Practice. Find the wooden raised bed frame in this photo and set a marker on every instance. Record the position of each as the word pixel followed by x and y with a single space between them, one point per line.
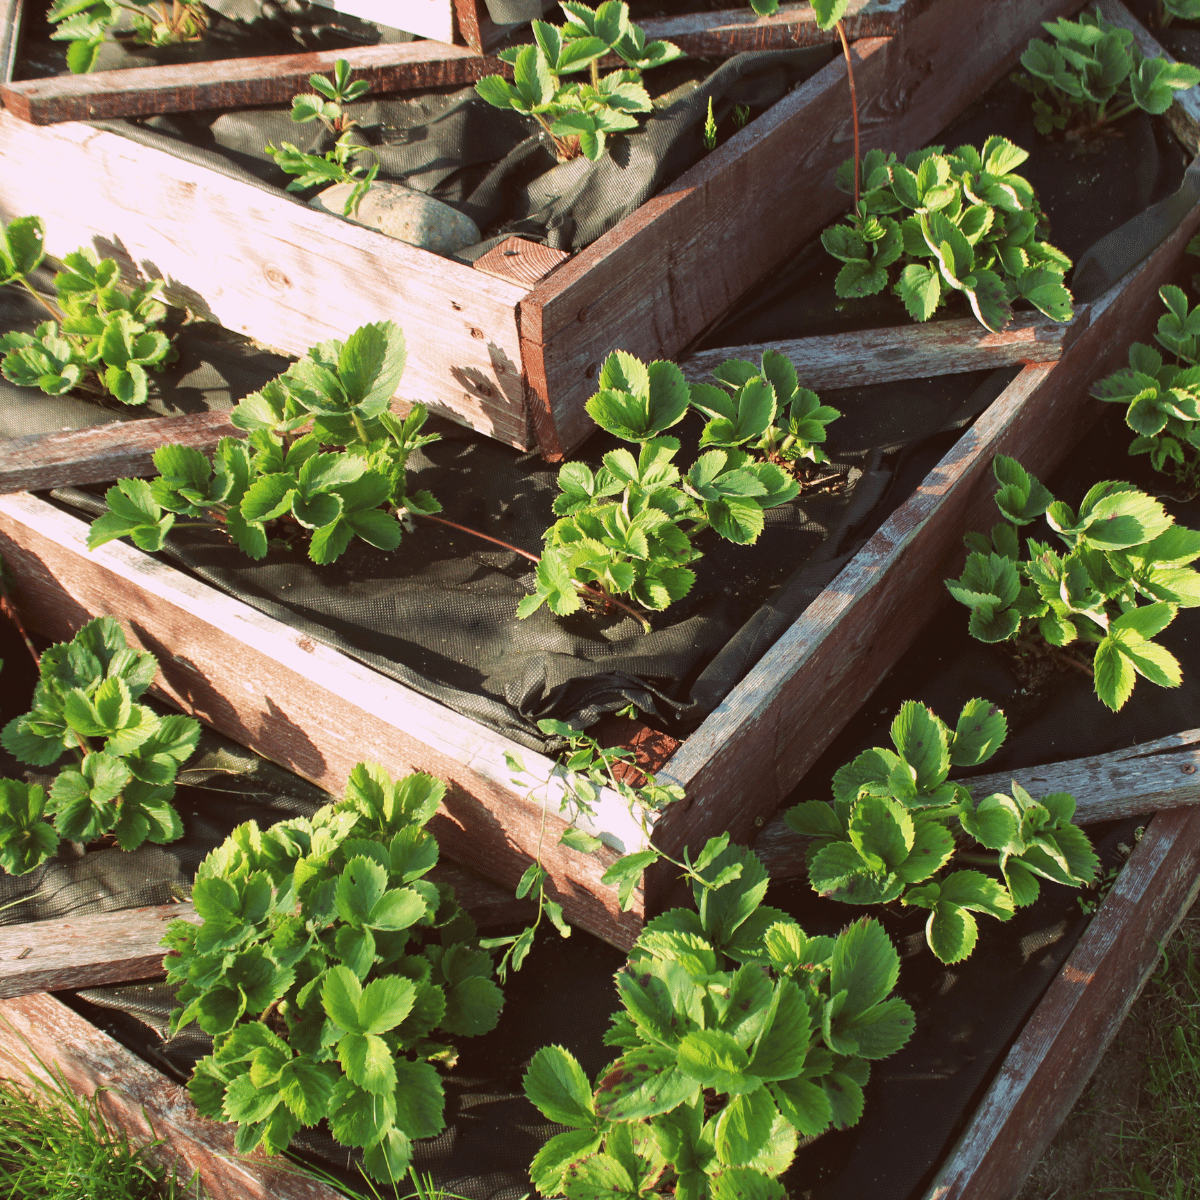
pixel 513 359
pixel 1037 1082
pixel 317 712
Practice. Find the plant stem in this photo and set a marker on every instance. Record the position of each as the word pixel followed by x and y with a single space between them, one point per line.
pixel 854 112
pixel 9 609
pixel 980 860
pixel 359 427
pixel 596 73
pixel 52 309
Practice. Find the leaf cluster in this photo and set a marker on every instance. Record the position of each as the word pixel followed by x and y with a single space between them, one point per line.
pixel 86 23
pixel 326 104
pixel 960 222
pixel 1121 581
pixel 628 528
pixel 122 758
pixel 1164 401
pixel 277 474
pixel 763 408
pixel 327 969
pixel 896 821
pixel 1092 74
pixel 738 1035
pixel 578 116
pixel 99 329
pixel 1184 10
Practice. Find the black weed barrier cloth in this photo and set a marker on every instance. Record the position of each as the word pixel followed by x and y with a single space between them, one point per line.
pixel 236 29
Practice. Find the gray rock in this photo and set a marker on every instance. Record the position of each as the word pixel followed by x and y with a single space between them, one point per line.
pixel 404 214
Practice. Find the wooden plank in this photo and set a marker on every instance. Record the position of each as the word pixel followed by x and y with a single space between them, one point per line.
pixel 668 271
pixel 11 12
pixel 1147 778
pixel 238 82
pixel 867 356
pixel 272 268
pixel 315 711
pixel 732 31
pixel 101 453
pixel 748 755
pixel 1184 114
pixel 520 260
pixel 1065 1038
pixel 133 1096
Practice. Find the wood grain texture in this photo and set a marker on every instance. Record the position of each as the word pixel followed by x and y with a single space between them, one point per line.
pixel 11 12
pixel 843 360
pixel 732 31
pixel 136 1098
pixel 101 453
pixel 314 711
pixel 1184 113
pixel 238 82
pixel 263 265
pixel 664 274
pixel 1148 778
pixel 749 754
pixel 520 261
pixel 1063 1041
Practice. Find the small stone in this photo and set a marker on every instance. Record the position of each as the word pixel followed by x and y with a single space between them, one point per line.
pixel 404 214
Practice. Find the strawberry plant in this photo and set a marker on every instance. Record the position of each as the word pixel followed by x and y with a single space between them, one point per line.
pixel 329 971
pixel 100 339
pixel 121 759
pixel 1164 400
pixel 326 104
pixel 577 117
pixel 628 528
pixel 763 408
pixel 738 1035
pixel 1092 74
pixel 896 822
pixel 281 477
pixel 1121 581
pixel 1184 10
pixel 84 23
pixel 962 222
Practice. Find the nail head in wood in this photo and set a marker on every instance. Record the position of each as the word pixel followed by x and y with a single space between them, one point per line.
pixel 520 261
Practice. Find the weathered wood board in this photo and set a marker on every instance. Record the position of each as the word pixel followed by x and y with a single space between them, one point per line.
pixel 136 1098
pixel 512 360
pixel 1152 777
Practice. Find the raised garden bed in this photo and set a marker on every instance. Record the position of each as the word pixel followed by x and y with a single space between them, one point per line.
pixel 514 357
pixel 317 712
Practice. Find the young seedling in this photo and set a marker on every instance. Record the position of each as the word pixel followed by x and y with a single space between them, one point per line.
pixel 122 759
pixel 329 971
pixel 710 128
pixel 738 1035
pixel 326 104
pixel 1183 10
pixel 961 222
pixel 101 338
pixel 628 529
pixel 85 24
pixel 577 117
pixel 895 822
pixel 1122 580
pixel 1092 74
pixel 1164 400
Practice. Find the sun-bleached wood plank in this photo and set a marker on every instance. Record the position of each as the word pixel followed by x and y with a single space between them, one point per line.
pixel 1152 777
pixel 868 356
pixel 136 1098
pixel 1061 1044
pixel 668 271
pixel 748 755
pixel 102 453
pixel 11 12
pixel 315 711
pixel 239 82
pixel 265 266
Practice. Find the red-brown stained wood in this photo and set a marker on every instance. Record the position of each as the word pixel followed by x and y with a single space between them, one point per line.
pixel 520 260
pixel 867 356
pixel 748 755
pixel 309 708
pixel 669 270
pixel 136 1098
pixel 1148 778
pixel 1065 1038
pixel 239 82
pixel 101 453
